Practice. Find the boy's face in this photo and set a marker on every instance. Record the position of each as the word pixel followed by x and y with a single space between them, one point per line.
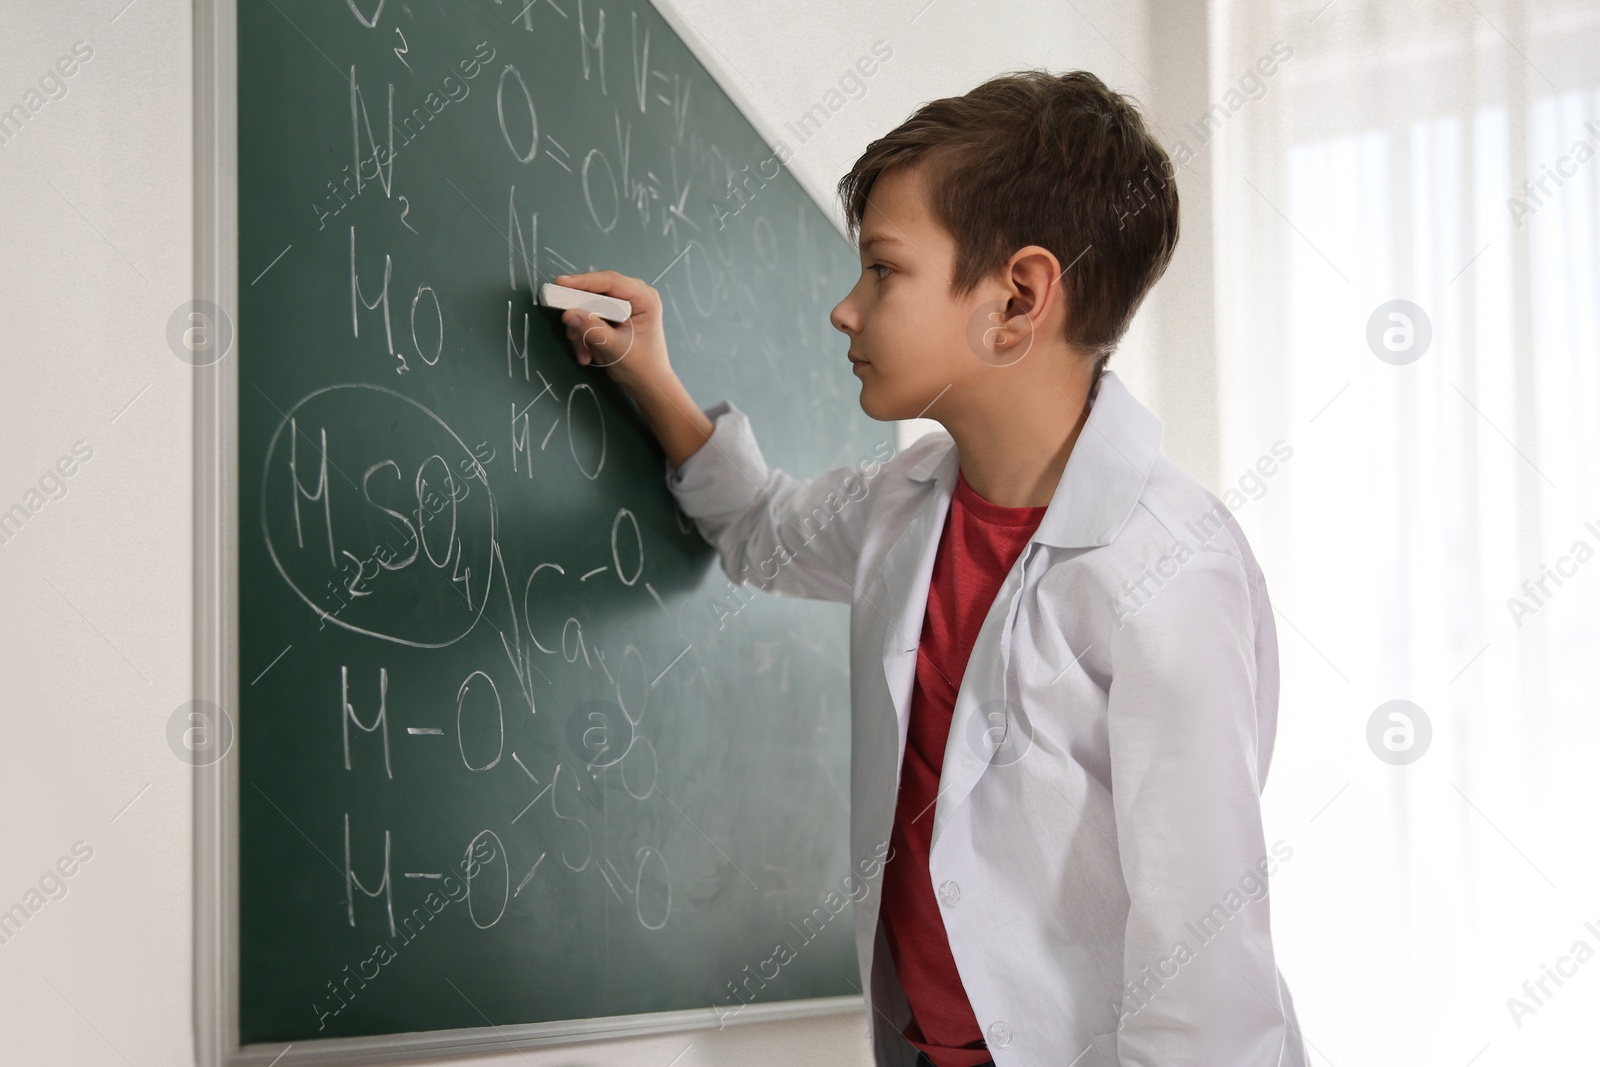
pixel 901 319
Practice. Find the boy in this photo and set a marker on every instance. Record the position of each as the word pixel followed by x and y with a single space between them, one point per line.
pixel 1064 675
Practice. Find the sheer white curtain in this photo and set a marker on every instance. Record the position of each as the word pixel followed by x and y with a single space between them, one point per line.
pixel 1442 453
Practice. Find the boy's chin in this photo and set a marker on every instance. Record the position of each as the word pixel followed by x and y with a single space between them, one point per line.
pixel 875 407
pixel 885 407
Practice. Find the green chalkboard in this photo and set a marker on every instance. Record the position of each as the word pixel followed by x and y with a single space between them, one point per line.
pixel 503 760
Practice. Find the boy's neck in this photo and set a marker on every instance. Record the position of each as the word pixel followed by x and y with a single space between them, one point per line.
pixel 1014 445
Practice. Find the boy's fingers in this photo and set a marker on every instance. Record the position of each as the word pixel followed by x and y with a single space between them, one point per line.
pixel 594 281
pixel 608 282
pixel 581 323
pixel 579 348
pixel 595 333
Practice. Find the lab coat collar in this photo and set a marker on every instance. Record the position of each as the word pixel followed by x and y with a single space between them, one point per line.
pixel 1104 475
pixel 1098 490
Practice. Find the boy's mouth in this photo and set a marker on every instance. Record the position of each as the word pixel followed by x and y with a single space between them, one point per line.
pixel 855 360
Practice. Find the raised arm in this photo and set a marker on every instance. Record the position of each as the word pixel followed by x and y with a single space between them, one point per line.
pixel 634 355
pixel 799 538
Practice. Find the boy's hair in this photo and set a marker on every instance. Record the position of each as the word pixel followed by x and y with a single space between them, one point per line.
pixel 1057 160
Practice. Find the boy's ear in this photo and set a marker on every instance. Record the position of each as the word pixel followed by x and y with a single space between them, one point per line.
pixel 1000 330
pixel 1030 292
pixel 1033 274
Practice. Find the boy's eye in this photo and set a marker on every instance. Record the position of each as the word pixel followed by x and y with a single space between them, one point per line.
pixel 878 266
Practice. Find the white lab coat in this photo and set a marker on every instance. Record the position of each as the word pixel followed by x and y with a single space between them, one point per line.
pixel 1109 831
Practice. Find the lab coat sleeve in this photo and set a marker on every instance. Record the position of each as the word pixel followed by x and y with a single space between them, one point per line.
pixel 772 531
pixel 1201 980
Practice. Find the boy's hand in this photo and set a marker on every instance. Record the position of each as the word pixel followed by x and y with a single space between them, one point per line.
pixel 632 353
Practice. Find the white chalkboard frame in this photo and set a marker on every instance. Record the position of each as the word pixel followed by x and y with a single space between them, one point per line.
pixel 216 641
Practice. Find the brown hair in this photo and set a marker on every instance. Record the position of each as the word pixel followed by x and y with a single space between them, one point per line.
pixel 1057 160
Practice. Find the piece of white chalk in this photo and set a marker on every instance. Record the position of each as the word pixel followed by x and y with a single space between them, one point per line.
pixel 607 307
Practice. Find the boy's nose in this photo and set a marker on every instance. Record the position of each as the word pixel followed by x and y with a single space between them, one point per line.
pixel 843 317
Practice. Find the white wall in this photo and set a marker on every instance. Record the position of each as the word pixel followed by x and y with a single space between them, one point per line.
pixel 94 197
pixel 95 653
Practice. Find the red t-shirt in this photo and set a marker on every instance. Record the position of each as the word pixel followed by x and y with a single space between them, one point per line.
pixel 979 544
